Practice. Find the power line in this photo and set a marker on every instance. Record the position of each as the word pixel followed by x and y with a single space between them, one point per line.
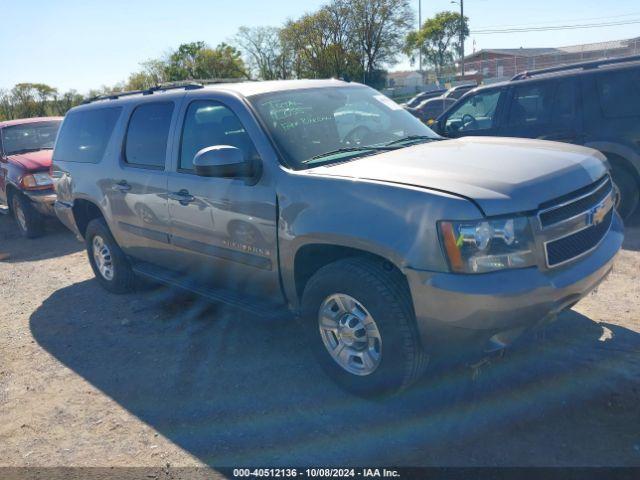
pixel 555 28
pixel 536 24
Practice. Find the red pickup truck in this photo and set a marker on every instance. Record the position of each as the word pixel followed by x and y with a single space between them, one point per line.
pixel 26 187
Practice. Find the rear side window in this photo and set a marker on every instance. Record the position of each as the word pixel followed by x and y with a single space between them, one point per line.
pixel 147 135
pixel 619 93
pixel 531 104
pixel 85 134
pixel 565 105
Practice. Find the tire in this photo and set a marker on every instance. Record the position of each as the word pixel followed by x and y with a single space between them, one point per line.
pixel 30 221
pixel 382 293
pixel 628 188
pixel 115 273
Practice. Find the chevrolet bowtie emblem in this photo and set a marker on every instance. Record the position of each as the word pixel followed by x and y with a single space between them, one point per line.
pixel 596 215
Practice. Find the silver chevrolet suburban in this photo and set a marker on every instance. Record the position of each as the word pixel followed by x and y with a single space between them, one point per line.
pixel 392 245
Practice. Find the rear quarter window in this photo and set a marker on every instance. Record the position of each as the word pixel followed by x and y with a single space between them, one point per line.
pixel 619 93
pixel 85 134
pixel 147 135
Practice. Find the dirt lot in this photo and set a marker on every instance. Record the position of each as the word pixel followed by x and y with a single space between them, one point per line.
pixel 155 378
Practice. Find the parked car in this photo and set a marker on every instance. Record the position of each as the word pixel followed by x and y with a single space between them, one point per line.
pixel 459 90
pixel 393 246
pixel 26 188
pixel 595 104
pixel 422 96
pixel 429 110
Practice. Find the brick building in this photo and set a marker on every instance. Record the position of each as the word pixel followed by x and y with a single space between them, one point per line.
pixel 503 63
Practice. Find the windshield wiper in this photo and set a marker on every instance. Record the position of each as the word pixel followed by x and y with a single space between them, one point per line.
pixel 410 138
pixel 27 150
pixel 338 151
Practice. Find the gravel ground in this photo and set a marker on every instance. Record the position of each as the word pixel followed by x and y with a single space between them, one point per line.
pixel 161 379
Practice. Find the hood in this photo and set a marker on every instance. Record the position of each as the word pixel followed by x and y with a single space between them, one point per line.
pixel 500 175
pixel 33 161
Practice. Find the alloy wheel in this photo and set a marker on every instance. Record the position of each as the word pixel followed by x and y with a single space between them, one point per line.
pixel 102 257
pixel 350 334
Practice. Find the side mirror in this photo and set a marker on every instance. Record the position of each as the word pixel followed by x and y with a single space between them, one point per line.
pixel 436 126
pixel 222 161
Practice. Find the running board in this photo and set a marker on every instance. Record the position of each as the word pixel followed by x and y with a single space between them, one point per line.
pixel 260 308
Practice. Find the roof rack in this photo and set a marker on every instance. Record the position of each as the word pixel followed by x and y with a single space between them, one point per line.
pixel 576 66
pixel 186 84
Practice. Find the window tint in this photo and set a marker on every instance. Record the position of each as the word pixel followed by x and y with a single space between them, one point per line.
pixel 475 113
pixel 619 93
pixel 148 133
pixel 565 105
pixel 85 134
pixel 208 123
pixel 531 104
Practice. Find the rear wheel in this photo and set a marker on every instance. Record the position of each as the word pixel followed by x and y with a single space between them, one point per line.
pixel 359 319
pixel 628 189
pixel 108 261
pixel 29 220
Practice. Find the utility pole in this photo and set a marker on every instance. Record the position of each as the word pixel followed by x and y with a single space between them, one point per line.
pixel 419 27
pixel 462 35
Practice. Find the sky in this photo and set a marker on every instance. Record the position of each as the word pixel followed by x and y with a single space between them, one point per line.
pixel 84 44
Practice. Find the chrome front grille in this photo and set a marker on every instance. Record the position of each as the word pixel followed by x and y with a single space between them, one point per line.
pixel 576 224
pixel 578 204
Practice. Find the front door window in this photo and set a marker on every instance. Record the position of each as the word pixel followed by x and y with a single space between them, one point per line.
pixel 475 114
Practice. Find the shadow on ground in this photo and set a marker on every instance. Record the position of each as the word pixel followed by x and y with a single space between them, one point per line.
pixel 236 390
pixel 56 242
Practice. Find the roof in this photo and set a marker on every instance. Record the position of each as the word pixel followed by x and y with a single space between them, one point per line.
pixel 563 70
pixel 245 89
pixel 22 121
pixel 515 52
pixel 402 74
pixel 249 89
pixel 533 52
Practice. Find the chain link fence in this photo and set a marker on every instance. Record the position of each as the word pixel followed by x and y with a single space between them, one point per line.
pixel 498 66
pixel 495 65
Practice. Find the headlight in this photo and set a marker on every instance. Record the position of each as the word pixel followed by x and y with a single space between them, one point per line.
pixel 36 180
pixel 487 245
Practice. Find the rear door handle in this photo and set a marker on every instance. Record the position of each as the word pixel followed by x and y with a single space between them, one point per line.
pixel 122 186
pixel 183 196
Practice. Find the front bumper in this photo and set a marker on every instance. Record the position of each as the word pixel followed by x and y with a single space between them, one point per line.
pixel 488 311
pixel 64 212
pixel 42 200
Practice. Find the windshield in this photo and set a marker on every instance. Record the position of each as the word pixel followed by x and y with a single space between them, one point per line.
pixel 327 125
pixel 29 137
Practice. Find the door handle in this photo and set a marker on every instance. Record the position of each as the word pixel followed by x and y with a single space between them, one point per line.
pixel 183 196
pixel 122 186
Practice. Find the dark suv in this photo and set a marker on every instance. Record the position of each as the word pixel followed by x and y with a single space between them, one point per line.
pixel 595 104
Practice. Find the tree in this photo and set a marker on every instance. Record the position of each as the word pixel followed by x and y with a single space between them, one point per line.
pixel 26 100
pixel 380 28
pixel 264 50
pixel 31 99
pixel 221 62
pixel 66 101
pixel 198 61
pixel 320 44
pixel 438 39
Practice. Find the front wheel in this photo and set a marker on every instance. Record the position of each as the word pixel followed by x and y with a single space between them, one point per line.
pixel 360 322
pixel 628 189
pixel 30 221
